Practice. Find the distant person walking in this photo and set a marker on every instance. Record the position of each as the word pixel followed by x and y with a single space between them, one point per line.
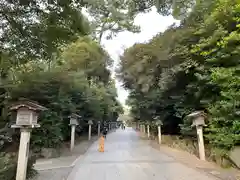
pixel 104 132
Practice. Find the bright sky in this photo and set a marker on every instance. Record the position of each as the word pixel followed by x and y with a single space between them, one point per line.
pixel 151 24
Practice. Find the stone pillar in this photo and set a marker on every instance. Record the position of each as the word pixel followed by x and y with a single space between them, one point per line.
pixel 99 128
pixel 23 154
pixel 148 130
pixel 200 142
pixel 109 126
pixel 159 135
pixel 73 128
pixel 89 132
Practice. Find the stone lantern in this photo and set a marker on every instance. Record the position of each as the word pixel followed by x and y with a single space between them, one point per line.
pixel 73 123
pixel 198 120
pixel 90 123
pixel 99 128
pixel 27 119
pixel 159 124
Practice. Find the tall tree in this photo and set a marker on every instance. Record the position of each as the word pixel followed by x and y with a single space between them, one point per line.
pixel 195 67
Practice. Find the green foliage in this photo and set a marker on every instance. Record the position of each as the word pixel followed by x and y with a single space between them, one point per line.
pixel 178 8
pixel 36 30
pixel 225 122
pixel 84 88
pixel 191 67
pixel 87 56
pixel 8 166
pixel 23 22
pixel 66 90
pixel 111 17
pixel 47 55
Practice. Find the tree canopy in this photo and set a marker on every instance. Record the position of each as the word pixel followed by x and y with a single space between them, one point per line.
pixel 48 54
pixel 194 66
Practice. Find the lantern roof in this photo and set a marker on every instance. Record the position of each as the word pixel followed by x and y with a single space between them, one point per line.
pixel 197 114
pixel 31 105
pixel 75 116
pixel 159 122
pixel 90 122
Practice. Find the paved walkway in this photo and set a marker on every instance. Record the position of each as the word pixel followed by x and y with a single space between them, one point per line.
pixel 59 168
pixel 129 158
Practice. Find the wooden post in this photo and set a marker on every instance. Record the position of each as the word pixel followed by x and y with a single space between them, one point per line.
pixel 99 127
pixel 23 154
pixel 159 135
pixel 73 127
pixel 27 119
pixel 148 131
pixel 89 132
pixel 73 123
pixel 201 143
pixel 198 118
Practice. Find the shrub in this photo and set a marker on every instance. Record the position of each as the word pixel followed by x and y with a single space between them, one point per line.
pixel 8 166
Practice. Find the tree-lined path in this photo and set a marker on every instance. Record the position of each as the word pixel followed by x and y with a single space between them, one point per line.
pixel 127 157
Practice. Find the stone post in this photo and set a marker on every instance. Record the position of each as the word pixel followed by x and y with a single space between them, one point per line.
pixel 144 129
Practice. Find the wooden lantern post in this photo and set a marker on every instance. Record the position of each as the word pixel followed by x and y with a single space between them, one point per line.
pixel 27 119
pixel 73 123
pixel 159 124
pixel 90 123
pixel 144 128
pixel 198 119
pixel 148 130
pixel 99 128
